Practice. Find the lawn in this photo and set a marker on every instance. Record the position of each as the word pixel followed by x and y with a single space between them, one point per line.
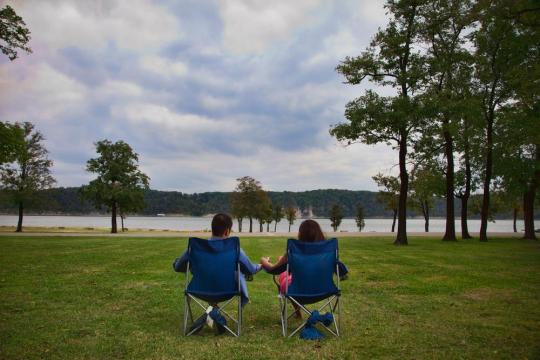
pixel 97 297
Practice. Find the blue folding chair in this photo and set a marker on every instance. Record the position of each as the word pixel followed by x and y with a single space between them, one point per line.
pixel 312 266
pixel 215 278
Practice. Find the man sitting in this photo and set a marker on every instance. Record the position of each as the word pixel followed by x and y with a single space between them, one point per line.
pixel 221 229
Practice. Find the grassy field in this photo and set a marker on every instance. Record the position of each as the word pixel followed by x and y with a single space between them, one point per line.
pixel 119 298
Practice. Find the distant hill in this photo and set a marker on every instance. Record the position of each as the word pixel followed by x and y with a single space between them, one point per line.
pixel 68 201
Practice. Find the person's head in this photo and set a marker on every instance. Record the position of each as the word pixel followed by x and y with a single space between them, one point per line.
pixel 310 231
pixel 221 225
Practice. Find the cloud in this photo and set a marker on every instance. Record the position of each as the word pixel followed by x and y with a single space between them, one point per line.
pixel 252 25
pixel 163 67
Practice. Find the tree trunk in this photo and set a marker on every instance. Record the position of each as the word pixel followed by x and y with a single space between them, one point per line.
pixel 401 238
pixel 261 229
pixel 394 221
pixel 515 219
pixel 268 227
pixel 464 226
pixel 114 229
pixel 122 221
pixel 239 224
pixel 275 226
pixel 487 179
pixel 425 210
pixel 290 227
pixel 250 224
pixel 21 214
pixel 450 234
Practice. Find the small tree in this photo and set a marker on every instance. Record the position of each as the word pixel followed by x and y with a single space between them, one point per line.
pixel 336 215
pixel 30 171
pixel 389 194
pixel 277 215
pixel 263 211
pixel 238 207
pixel 13 32
pixel 290 214
pixel 360 222
pixel 246 198
pixel 119 184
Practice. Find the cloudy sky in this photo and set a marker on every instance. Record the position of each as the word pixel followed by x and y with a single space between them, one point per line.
pixel 204 91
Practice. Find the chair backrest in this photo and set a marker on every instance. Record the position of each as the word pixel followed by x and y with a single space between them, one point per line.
pixel 312 265
pixel 214 265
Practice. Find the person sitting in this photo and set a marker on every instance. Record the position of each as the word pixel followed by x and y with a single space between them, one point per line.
pixel 221 229
pixel 309 231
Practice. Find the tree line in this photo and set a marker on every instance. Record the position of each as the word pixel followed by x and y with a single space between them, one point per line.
pixel 465 106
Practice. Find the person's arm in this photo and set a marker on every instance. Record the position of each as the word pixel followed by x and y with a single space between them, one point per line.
pixel 180 264
pixel 246 266
pixel 269 267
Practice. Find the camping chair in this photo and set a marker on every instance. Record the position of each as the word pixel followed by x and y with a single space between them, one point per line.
pixel 215 279
pixel 312 266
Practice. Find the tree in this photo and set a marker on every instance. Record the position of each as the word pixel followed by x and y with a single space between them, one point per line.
pixel 238 207
pixel 494 40
pixel 30 171
pixel 13 33
pixel 360 222
pixel 389 195
pixel 11 141
pixel 426 183
pixel 391 60
pixel 247 199
pixel 336 215
pixel 290 214
pixel 277 215
pixel 448 63
pixel 263 210
pixel 119 185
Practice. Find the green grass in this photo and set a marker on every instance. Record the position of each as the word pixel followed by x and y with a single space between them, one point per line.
pixel 119 298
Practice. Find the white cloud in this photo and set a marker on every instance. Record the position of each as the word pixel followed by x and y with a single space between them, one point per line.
pixel 114 88
pixel 217 103
pixel 135 25
pixel 162 66
pixel 251 25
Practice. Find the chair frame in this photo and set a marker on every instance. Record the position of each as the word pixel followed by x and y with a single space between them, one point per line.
pixel 332 303
pixel 188 312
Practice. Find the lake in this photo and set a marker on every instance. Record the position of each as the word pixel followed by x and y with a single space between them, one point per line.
pixel 203 223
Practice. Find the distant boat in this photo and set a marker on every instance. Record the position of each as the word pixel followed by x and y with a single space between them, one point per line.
pixel 160 214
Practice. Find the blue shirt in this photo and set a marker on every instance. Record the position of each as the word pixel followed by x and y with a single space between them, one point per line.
pixel 246 268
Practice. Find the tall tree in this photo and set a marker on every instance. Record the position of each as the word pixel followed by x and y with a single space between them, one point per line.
pixel 30 171
pixel 238 207
pixel 263 211
pixel 277 214
pixel 494 39
pixel 448 61
pixel 359 218
pixel 13 33
pixel 290 214
pixel 391 60
pixel 119 183
pixel 336 215
pixel 389 194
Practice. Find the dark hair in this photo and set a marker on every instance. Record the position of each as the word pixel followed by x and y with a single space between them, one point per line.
pixel 220 224
pixel 310 231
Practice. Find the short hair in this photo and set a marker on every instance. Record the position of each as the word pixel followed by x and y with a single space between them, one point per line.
pixel 220 224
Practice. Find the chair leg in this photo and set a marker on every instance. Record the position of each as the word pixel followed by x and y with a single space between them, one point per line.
pixel 186 312
pixel 239 315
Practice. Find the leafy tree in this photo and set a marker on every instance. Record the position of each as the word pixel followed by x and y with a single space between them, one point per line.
pixel 238 207
pixel 263 211
pixel 389 195
pixel 391 60
pixel 495 40
pixel 290 214
pixel 246 201
pixel 30 171
pixel 448 62
pixel 277 215
pixel 336 215
pixel 119 185
pixel 13 33
pixel 360 222
pixel 11 141
pixel 426 183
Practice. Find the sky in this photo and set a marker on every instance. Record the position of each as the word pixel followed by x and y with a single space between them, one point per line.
pixel 204 91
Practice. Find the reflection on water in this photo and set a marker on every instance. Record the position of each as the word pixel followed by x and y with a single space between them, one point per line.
pixel 203 223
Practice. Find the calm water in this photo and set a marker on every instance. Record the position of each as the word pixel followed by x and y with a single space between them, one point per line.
pixel 203 223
